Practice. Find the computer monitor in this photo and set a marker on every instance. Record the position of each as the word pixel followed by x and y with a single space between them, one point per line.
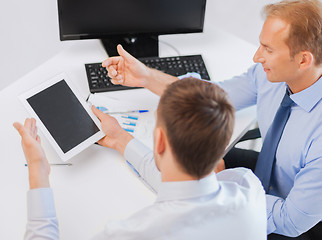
pixel 136 24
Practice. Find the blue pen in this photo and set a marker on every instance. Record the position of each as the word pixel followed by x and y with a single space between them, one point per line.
pixel 132 111
pixel 56 164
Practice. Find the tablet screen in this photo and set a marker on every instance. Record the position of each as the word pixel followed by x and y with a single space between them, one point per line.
pixel 63 115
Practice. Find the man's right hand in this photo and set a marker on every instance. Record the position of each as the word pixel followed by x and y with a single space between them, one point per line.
pixel 116 137
pixel 126 69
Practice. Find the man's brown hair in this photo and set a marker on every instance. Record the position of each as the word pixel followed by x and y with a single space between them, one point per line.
pixel 198 121
pixel 305 19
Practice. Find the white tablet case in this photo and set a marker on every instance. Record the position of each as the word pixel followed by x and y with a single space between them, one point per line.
pixel 80 147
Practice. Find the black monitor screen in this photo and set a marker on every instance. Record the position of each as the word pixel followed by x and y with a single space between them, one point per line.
pixel 83 19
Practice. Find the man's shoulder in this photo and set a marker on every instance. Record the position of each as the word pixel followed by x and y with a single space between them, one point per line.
pixel 238 203
pixel 242 178
pixel 242 190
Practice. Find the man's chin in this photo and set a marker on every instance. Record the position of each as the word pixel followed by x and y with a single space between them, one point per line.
pixel 270 78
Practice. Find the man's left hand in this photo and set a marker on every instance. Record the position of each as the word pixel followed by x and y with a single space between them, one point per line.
pixel 38 165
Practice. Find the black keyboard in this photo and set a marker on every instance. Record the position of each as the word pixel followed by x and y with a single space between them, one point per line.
pixel 99 81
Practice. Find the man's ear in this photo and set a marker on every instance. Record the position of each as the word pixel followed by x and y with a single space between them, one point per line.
pixel 160 145
pixel 306 59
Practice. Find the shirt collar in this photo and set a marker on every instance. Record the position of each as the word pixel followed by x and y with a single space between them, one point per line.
pixel 187 189
pixel 309 97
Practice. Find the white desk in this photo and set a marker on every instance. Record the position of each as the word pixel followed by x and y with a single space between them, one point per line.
pixel 99 186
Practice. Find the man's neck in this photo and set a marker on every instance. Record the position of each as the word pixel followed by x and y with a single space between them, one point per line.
pixel 176 177
pixel 171 171
pixel 306 80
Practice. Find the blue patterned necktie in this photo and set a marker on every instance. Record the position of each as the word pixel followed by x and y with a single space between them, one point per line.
pixel 267 157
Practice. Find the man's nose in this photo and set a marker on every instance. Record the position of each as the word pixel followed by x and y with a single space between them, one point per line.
pixel 258 58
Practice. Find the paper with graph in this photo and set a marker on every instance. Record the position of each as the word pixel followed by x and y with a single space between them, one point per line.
pixel 140 125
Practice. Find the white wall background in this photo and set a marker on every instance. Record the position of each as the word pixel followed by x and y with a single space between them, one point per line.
pixel 30 35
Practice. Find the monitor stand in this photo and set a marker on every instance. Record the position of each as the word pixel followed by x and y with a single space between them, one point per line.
pixel 139 46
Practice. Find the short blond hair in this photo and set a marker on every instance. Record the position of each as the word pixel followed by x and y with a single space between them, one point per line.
pixel 305 18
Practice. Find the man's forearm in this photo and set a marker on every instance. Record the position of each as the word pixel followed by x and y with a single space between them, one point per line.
pixel 159 81
pixel 38 181
pixel 122 143
pixel 38 175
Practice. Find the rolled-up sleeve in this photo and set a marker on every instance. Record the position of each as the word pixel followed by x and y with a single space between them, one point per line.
pixel 141 158
pixel 42 221
pixel 242 90
pixel 302 209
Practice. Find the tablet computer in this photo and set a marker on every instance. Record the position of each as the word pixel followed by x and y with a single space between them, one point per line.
pixel 63 116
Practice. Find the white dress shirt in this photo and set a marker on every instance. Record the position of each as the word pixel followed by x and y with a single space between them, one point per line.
pixel 229 205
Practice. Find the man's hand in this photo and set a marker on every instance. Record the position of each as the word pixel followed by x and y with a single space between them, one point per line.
pixel 38 165
pixel 116 137
pixel 126 69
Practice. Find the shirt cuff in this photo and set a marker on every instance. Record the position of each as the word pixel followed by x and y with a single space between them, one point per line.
pixel 190 74
pixel 40 203
pixel 135 152
pixel 270 203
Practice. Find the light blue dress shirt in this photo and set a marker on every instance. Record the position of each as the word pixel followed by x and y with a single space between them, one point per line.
pixel 294 202
pixel 230 205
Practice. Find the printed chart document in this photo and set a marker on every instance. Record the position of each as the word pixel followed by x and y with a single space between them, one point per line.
pixel 140 125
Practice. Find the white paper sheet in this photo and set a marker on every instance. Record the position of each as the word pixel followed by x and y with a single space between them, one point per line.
pixel 140 125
